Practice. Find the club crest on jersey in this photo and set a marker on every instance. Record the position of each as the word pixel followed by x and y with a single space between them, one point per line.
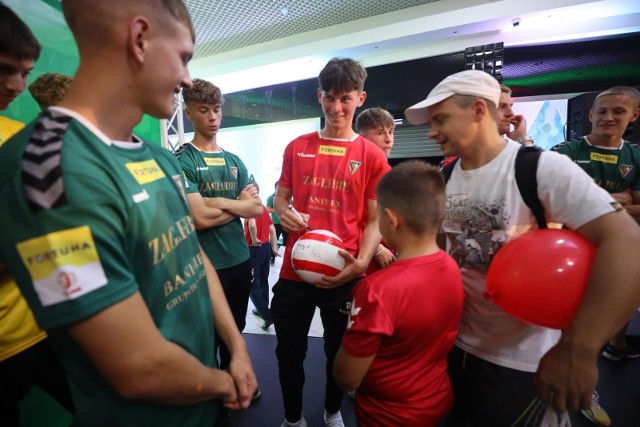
pixel 353 166
pixel 625 169
pixel 234 172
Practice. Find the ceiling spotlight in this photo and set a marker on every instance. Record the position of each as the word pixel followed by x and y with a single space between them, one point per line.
pixel 284 11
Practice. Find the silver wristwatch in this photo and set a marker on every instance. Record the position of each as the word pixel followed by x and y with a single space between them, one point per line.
pixel 526 140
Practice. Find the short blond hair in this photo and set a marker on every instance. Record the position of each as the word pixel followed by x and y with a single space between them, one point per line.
pixel 629 91
pixel 91 20
pixel 49 89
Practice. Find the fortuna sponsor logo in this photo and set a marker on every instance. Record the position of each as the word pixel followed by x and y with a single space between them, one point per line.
pixel 625 169
pixel 311 156
pixel 145 172
pixel 215 161
pixel 332 150
pixel 353 166
pixel 61 252
pixel 63 265
pixel 604 158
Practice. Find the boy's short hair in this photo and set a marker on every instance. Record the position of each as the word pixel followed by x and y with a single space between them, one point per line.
pixel 629 91
pixel 49 89
pixel 373 118
pixel 16 39
pixel 415 190
pixel 342 75
pixel 203 91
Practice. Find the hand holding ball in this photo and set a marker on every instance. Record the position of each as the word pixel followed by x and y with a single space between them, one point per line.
pixel 316 254
pixel 540 277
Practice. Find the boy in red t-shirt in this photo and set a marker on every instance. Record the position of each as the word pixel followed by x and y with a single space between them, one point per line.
pixel 404 319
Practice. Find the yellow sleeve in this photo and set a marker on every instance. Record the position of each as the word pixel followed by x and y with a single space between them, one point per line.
pixel 8 128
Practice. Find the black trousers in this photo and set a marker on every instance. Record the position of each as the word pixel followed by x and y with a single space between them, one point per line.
pixel 236 283
pixel 292 309
pixel 37 365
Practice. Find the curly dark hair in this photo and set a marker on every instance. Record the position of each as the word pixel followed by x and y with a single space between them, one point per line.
pixel 203 91
pixel 49 89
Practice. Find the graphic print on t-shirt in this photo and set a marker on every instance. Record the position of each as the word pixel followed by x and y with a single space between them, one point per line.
pixel 480 230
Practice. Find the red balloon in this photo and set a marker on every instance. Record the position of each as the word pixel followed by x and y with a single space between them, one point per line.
pixel 540 276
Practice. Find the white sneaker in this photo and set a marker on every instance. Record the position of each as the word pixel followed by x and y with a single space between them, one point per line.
pixel 333 420
pixel 301 423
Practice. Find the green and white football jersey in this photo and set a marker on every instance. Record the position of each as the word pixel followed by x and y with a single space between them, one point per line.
pixel 220 174
pixel 90 223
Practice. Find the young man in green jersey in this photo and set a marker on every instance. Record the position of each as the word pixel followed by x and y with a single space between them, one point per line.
pixel 611 161
pixel 614 164
pixel 102 243
pixel 220 191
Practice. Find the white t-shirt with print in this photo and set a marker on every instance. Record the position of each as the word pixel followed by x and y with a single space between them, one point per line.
pixel 484 212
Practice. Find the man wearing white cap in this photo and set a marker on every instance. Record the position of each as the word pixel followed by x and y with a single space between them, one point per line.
pixel 497 356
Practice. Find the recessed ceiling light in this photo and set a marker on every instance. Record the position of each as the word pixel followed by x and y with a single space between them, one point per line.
pixel 284 11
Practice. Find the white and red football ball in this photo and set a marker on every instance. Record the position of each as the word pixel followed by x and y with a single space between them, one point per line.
pixel 315 254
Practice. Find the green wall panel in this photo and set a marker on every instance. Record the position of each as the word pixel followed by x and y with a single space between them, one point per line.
pixel 59 55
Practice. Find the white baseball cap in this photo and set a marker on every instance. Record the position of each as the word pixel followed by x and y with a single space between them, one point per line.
pixel 469 82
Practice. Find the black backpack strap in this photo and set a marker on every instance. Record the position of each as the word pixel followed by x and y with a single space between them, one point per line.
pixel 526 168
pixel 446 171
